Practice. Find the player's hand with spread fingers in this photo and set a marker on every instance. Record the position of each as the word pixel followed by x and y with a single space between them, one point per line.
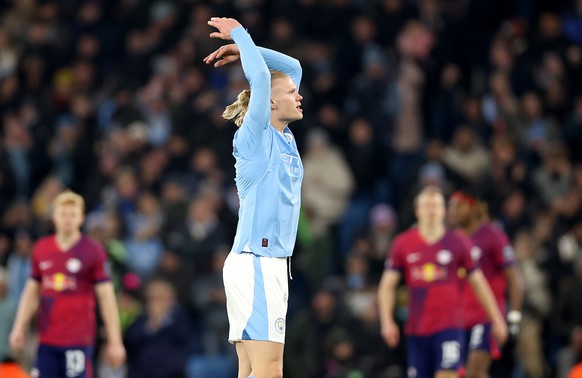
pixel 223 55
pixel 499 329
pixel 224 26
pixel 391 334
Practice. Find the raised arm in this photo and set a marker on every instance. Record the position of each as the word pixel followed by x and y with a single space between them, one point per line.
pixel 283 63
pixel 255 69
pixel 277 61
pixel 258 76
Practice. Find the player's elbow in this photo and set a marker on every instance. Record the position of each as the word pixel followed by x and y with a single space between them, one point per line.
pixel 297 66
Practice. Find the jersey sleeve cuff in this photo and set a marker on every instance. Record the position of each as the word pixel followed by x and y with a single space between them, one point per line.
pixel 36 278
pixel 101 280
pixel 237 33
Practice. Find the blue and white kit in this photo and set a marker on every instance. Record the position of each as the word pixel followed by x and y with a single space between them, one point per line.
pixel 269 173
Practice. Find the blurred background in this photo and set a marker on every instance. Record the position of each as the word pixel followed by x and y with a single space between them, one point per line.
pixel 111 99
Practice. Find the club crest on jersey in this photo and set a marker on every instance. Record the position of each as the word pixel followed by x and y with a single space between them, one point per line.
pixel 444 257
pixel 280 325
pixel 74 265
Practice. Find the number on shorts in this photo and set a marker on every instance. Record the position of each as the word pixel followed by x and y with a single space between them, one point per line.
pixel 451 353
pixel 75 362
pixel 476 336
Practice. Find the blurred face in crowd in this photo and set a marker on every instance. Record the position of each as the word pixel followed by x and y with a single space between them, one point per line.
pixel 285 100
pixel 430 208
pixel 160 298
pixel 68 218
pixel 361 133
pixel 324 304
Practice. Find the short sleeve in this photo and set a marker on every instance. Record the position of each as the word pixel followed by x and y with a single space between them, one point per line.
pixel 466 252
pixel 502 250
pixel 101 266
pixel 35 272
pixel 395 258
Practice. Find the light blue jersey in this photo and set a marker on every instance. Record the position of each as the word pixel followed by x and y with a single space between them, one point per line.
pixel 268 167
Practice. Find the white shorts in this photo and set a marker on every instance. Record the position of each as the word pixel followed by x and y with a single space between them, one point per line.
pixel 257 290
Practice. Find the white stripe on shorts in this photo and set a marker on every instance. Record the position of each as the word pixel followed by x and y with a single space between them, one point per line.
pixel 257 291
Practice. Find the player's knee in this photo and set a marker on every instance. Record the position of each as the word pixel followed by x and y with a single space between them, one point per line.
pixel 273 370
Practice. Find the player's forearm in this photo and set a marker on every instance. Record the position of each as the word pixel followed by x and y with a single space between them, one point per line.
pixel 386 299
pixel 109 311
pixel 28 306
pixel 485 295
pixel 515 288
pixel 283 63
pixel 258 76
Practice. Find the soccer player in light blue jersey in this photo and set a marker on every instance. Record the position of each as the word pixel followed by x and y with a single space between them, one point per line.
pixel 269 173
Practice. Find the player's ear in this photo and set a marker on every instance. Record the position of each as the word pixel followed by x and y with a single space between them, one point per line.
pixel 273 105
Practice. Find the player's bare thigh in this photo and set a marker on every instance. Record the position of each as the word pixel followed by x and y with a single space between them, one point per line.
pixel 266 358
pixel 446 374
pixel 244 364
pixel 478 364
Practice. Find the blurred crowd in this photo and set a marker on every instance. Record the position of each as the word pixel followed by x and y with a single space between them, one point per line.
pixel 111 99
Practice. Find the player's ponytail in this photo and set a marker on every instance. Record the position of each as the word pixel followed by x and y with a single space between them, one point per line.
pixel 237 110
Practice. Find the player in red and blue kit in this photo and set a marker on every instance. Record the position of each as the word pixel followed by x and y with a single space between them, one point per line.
pixel 428 257
pixel 68 272
pixel 496 259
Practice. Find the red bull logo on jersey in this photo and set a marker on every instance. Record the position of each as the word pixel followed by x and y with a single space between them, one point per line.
pixel 429 272
pixel 59 282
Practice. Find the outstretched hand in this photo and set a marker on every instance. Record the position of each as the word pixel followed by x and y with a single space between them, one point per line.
pixel 224 26
pixel 225 54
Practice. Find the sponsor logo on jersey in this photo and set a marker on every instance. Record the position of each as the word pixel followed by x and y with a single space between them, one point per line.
pixel 428 272
pixel 59 282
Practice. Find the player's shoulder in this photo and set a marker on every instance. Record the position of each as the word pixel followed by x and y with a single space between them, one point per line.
pixel 456 235
pixel 407 235
pixel 493 232
pixel 496 229
pixel 45 243
pixel 91 243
